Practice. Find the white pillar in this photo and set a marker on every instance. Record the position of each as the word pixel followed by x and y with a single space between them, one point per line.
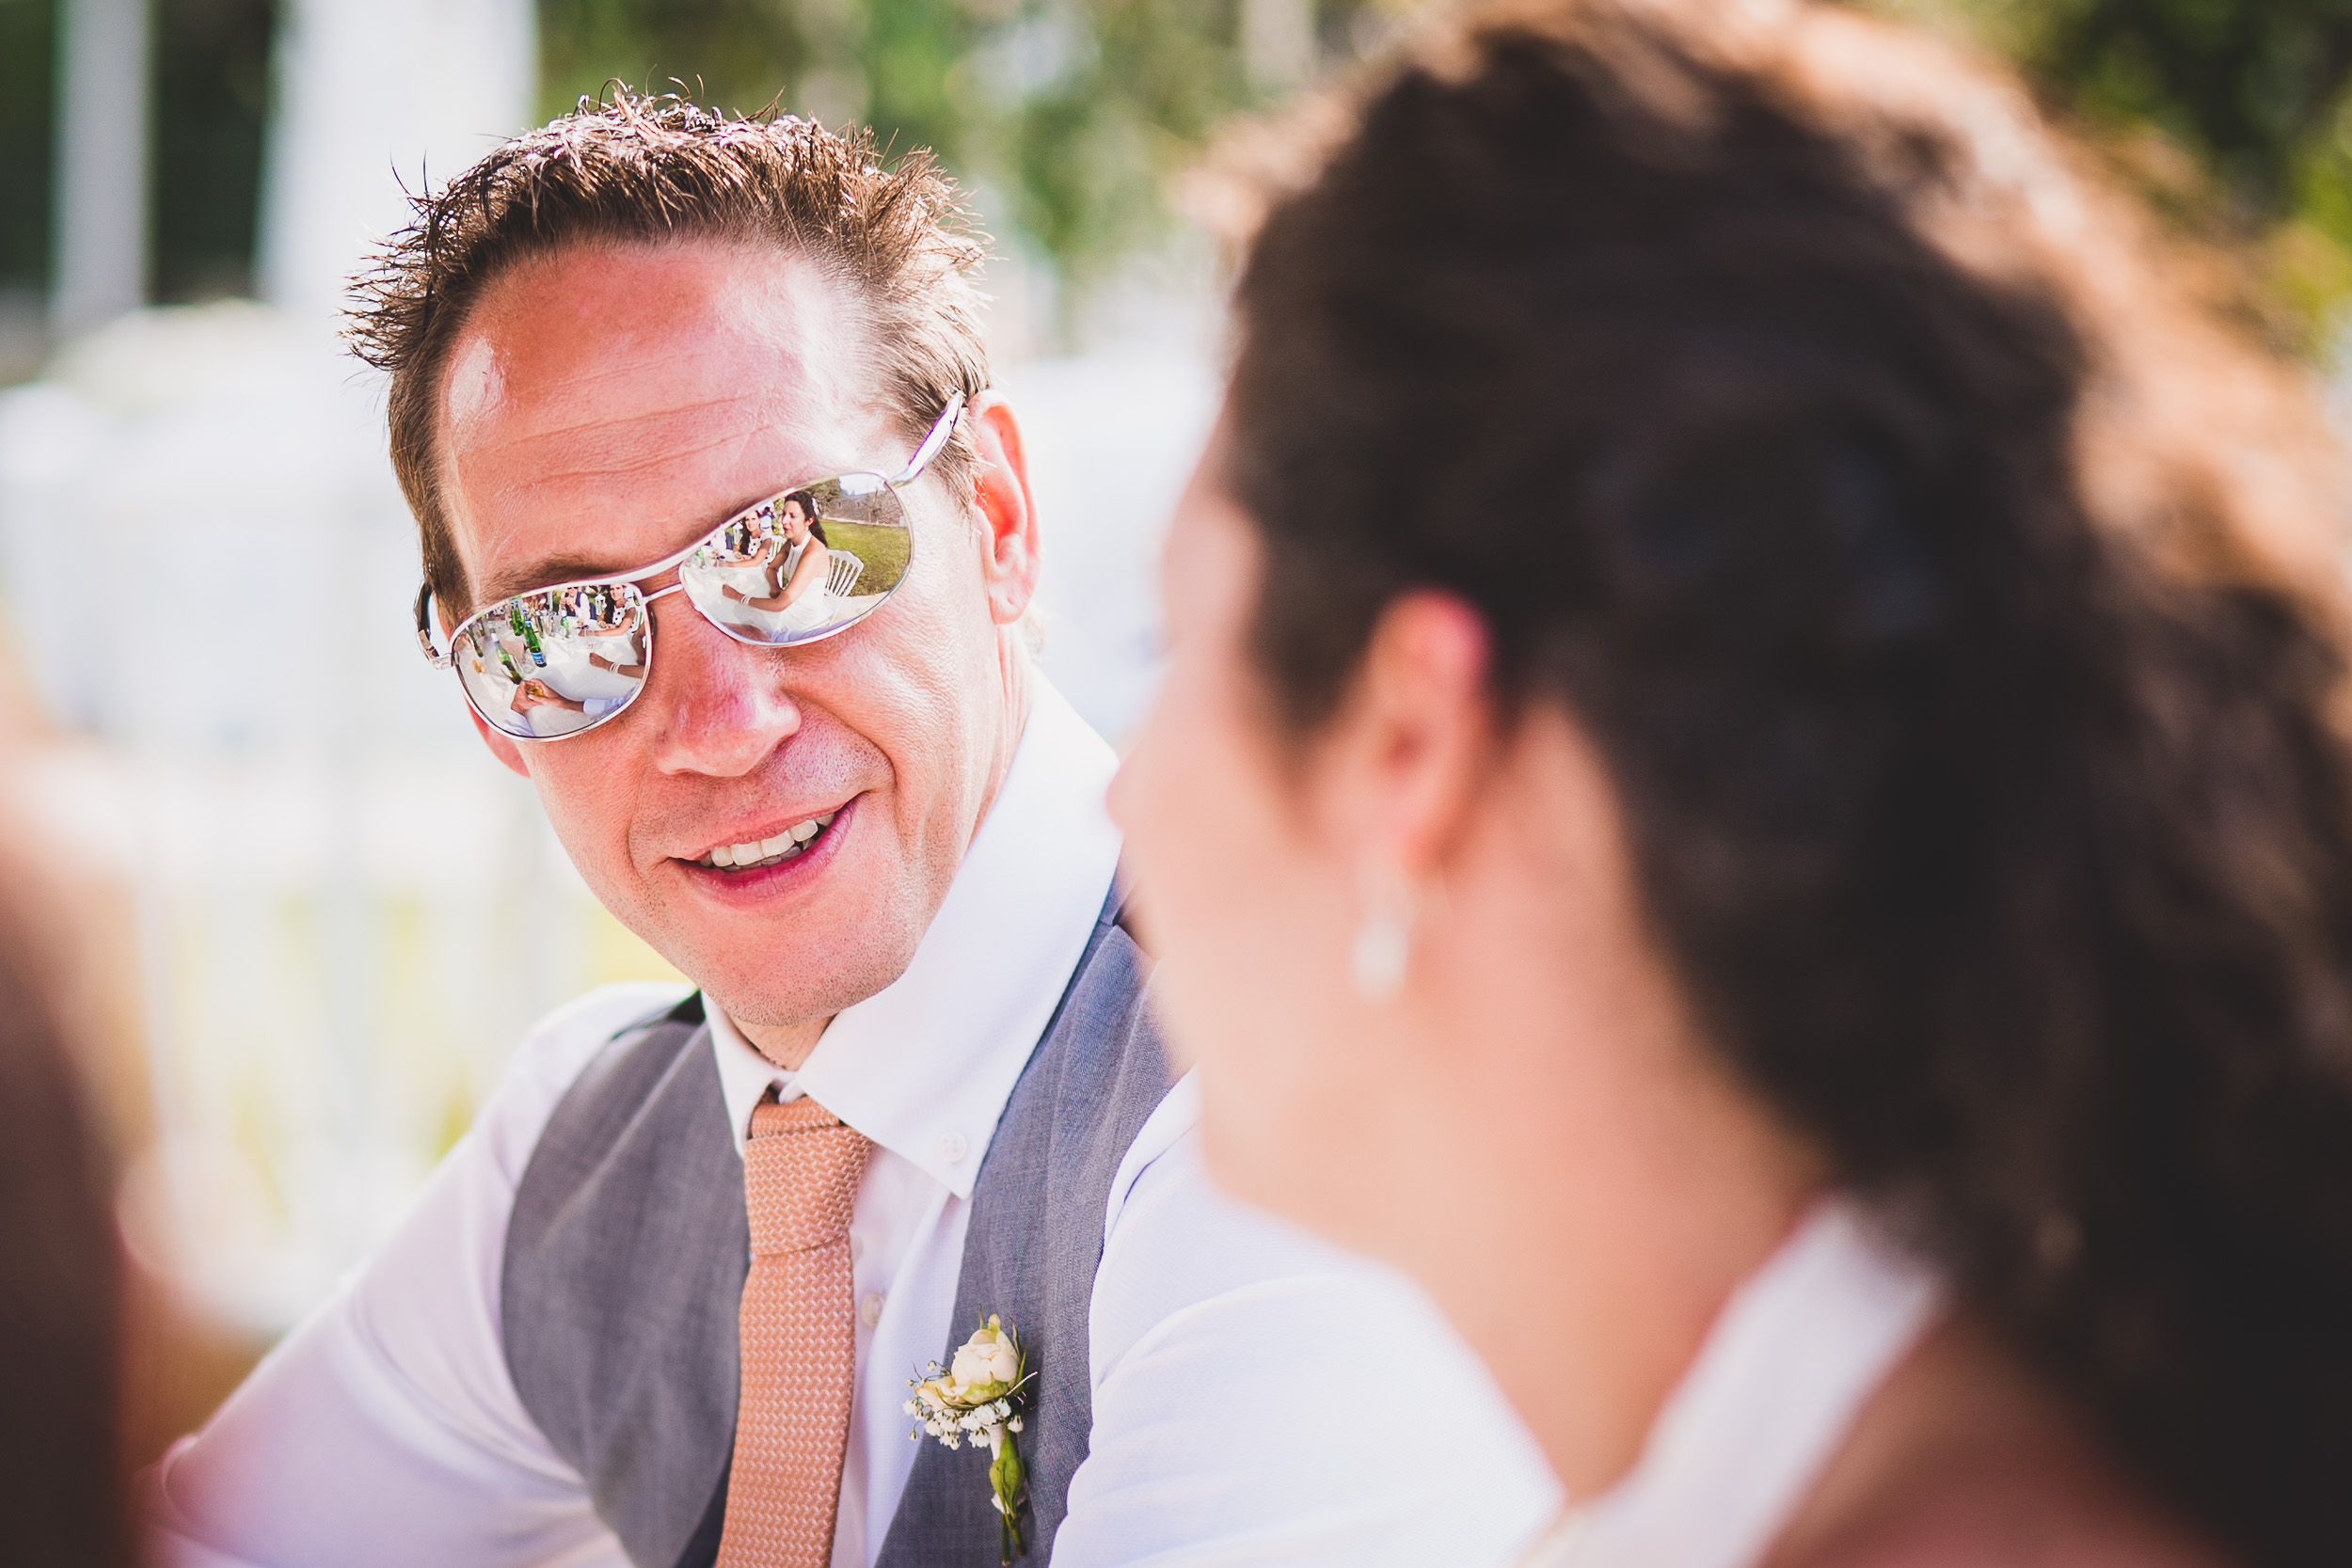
pixel 373 94
pixel 100 252
pixel 1278 42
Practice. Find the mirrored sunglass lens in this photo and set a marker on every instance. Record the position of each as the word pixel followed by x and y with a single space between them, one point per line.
pixel 549 664
pixel 806 564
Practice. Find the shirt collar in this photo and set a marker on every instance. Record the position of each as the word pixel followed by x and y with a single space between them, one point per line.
pixel 1793 1357
pixel 924 1066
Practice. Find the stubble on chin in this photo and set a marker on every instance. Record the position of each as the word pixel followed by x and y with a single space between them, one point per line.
pixel 764 998
pixel 788 974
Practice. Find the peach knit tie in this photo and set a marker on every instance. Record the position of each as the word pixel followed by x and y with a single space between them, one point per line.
pixel 798 1338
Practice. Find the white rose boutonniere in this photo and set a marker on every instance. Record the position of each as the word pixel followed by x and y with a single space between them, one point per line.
pixel 980 1396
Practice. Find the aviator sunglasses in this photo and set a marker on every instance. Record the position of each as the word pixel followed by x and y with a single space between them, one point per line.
pixel 808 563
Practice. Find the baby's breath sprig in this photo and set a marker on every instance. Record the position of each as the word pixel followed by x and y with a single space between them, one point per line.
pixel 979 1399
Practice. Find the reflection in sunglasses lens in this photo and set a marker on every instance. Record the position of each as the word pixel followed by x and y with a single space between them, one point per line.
pixel 804 565
pixel 551 664
pixel 797 567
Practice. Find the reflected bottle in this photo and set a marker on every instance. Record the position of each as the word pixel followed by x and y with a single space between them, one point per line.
pixel 530 635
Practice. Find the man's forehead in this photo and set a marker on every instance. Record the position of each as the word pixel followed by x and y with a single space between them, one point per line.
pixel 643 332
pixel 630 391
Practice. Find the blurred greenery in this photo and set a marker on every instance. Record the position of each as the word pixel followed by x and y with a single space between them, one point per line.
pixel 1122 100
pixel 2232 116
pixel 1071 115
pixel 1067 116
pixel 27 79
pixel 2254 88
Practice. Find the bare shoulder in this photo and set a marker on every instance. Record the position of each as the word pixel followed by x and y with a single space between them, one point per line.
pixel 1964 1462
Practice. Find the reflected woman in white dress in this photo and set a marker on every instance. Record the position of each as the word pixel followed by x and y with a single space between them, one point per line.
pixel 794 573
pixel 1753 785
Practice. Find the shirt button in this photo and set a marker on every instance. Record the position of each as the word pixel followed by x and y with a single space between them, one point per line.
pixel 952 1147
pixel 870 1309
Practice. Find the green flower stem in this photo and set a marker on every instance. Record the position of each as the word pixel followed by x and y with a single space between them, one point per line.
pixel 1005 1473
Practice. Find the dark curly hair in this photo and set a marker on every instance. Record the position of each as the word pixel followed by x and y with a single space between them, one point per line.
pixel 1955 607
pixel 650 170
pixel 808 509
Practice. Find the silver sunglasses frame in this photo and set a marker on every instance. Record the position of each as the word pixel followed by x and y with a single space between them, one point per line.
pixel 942 428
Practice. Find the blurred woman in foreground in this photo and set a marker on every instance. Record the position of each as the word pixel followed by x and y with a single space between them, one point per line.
pixel 61 1494
pixel 1754 787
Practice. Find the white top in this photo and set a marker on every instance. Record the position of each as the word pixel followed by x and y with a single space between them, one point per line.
pixel 1798 1351
pixel 1230 1354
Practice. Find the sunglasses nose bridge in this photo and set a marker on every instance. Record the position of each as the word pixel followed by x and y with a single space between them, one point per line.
pixel 673 584
pixel 672 581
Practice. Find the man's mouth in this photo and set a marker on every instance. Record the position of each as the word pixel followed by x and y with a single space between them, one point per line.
pixel 756 854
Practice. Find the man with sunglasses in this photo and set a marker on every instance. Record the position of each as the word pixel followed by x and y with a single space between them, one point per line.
pixel 662 1304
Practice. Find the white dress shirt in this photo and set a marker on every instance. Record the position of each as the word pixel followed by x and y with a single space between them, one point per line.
pixel 1793 1357
pixel 1250 1402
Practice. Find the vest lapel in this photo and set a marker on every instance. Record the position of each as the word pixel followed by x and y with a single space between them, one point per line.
pixel 627 1246
pixel 625 1262
pixel 1031 1249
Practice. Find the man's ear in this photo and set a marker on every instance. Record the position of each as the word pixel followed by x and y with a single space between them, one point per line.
pixel 1009 560
pixel 501 747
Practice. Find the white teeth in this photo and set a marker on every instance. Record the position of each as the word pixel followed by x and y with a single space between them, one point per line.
pixel 782 846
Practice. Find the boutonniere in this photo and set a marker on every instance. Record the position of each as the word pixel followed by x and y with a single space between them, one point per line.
pixel 979 1399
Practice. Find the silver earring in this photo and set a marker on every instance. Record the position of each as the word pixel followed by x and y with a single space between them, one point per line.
pixel 1383 947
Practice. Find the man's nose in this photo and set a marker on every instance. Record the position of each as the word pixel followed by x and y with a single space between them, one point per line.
pixel 718 704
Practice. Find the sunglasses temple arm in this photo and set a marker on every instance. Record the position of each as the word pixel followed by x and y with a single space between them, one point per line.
pixel 941 429
pixel 434 655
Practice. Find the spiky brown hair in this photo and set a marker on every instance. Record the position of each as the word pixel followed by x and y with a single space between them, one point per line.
pixel 632 167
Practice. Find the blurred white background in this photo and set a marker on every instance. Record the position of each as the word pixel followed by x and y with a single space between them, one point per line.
pixel 318 914
pixel 334 910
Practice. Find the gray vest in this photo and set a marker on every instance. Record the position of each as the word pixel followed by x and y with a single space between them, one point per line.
pixel 627 1248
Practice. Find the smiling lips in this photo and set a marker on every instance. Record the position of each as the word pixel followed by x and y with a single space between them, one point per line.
pixel 757 853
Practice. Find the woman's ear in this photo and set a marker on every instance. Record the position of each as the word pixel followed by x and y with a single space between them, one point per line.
pixel 1001 488
pixel 1414 735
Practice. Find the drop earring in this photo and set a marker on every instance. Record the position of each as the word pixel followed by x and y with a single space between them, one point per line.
pixel 1384 943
